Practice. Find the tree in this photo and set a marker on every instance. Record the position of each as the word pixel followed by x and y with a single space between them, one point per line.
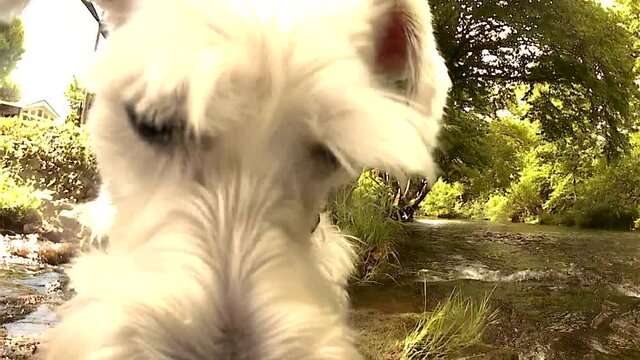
pixel 573 53
pixel 75 95
pixel 11 50
pixel 575 60
pixel 9 90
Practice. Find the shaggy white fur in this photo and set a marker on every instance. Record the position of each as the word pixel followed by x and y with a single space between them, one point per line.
pixel 96 217
pixel 220 127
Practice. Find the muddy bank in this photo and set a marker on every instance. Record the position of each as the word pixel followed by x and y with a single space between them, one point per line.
pixel 561 293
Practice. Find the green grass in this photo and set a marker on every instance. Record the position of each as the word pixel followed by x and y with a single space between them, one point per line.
pixel 452 326
pixel 363 213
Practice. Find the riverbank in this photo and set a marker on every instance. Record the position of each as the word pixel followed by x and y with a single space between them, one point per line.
pixel 30 290
pixel 561 293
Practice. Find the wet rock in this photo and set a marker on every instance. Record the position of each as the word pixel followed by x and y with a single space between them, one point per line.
pixel 32 217
pixel 54 235
pixel 19 348
pixel 54 287
pixel 627 330
pixel 568 322
pixel 32 228
pixel 68 220
pixel 514 238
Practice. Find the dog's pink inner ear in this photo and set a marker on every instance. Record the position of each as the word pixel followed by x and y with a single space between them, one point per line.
pixel 392 46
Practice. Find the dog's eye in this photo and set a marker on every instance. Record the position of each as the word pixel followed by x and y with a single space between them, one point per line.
pixel 147 128
pixel 321 154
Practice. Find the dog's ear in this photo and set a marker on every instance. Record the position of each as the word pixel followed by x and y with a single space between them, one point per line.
pixel 404 47
pixel 117 11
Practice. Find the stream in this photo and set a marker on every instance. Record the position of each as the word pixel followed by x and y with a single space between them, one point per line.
pixel 561 293
pixel 30 291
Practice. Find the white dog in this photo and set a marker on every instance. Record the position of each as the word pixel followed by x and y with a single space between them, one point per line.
pixel 220 126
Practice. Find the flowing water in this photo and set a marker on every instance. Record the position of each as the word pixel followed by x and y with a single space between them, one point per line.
pixel 29 293
pixel 560 293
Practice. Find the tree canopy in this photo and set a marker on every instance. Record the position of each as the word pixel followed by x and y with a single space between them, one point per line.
pixel 11 50
pixel 569 66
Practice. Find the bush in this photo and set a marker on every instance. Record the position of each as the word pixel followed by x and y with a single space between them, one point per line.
pixel 362 211
pixel 19 203
pixel 610 199
pixel 608 216
pixel 50 157
pixel 475 209
pixel 526 197
pixel 496 208
pixel 444 200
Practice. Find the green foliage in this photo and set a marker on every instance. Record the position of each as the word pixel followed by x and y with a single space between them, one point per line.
pixel 363 211
pixel 18 202
pixel 563 72
pixel 611 198
pixel 75 95
pixel 496 208
pixel 488 155
pixel 11 50
pixel 9 90
pixel 444 200
pixel 49 157
pixel 474 209
pixel 574 57
pixel 452 326
pixel 525 198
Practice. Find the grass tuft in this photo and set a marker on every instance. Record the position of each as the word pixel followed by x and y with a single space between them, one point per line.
pixel 362 211
pixel 452 326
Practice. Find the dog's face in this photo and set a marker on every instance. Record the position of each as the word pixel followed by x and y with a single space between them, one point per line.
pixel 194 94
pixel 219 128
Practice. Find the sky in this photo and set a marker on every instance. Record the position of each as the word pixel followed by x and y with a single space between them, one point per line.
pixel 59 42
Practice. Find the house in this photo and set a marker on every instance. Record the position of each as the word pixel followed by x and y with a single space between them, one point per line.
pixel 39 110
pixel 8 109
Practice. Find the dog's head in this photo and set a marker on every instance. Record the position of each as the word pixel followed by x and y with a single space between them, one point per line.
pixel 292 94
pixel 219 128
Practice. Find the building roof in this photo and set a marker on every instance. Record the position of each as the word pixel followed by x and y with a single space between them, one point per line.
pixel 9 103
pixel 42 102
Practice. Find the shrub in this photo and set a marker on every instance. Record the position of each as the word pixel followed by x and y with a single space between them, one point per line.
pixel 496 208
pixel 444 200
pixel 452 326
pixel 610 198
pixel 526 197
pixel 475 209
pixel 18 203
pixel 49 156
pixel 362 211
pixel 604 215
